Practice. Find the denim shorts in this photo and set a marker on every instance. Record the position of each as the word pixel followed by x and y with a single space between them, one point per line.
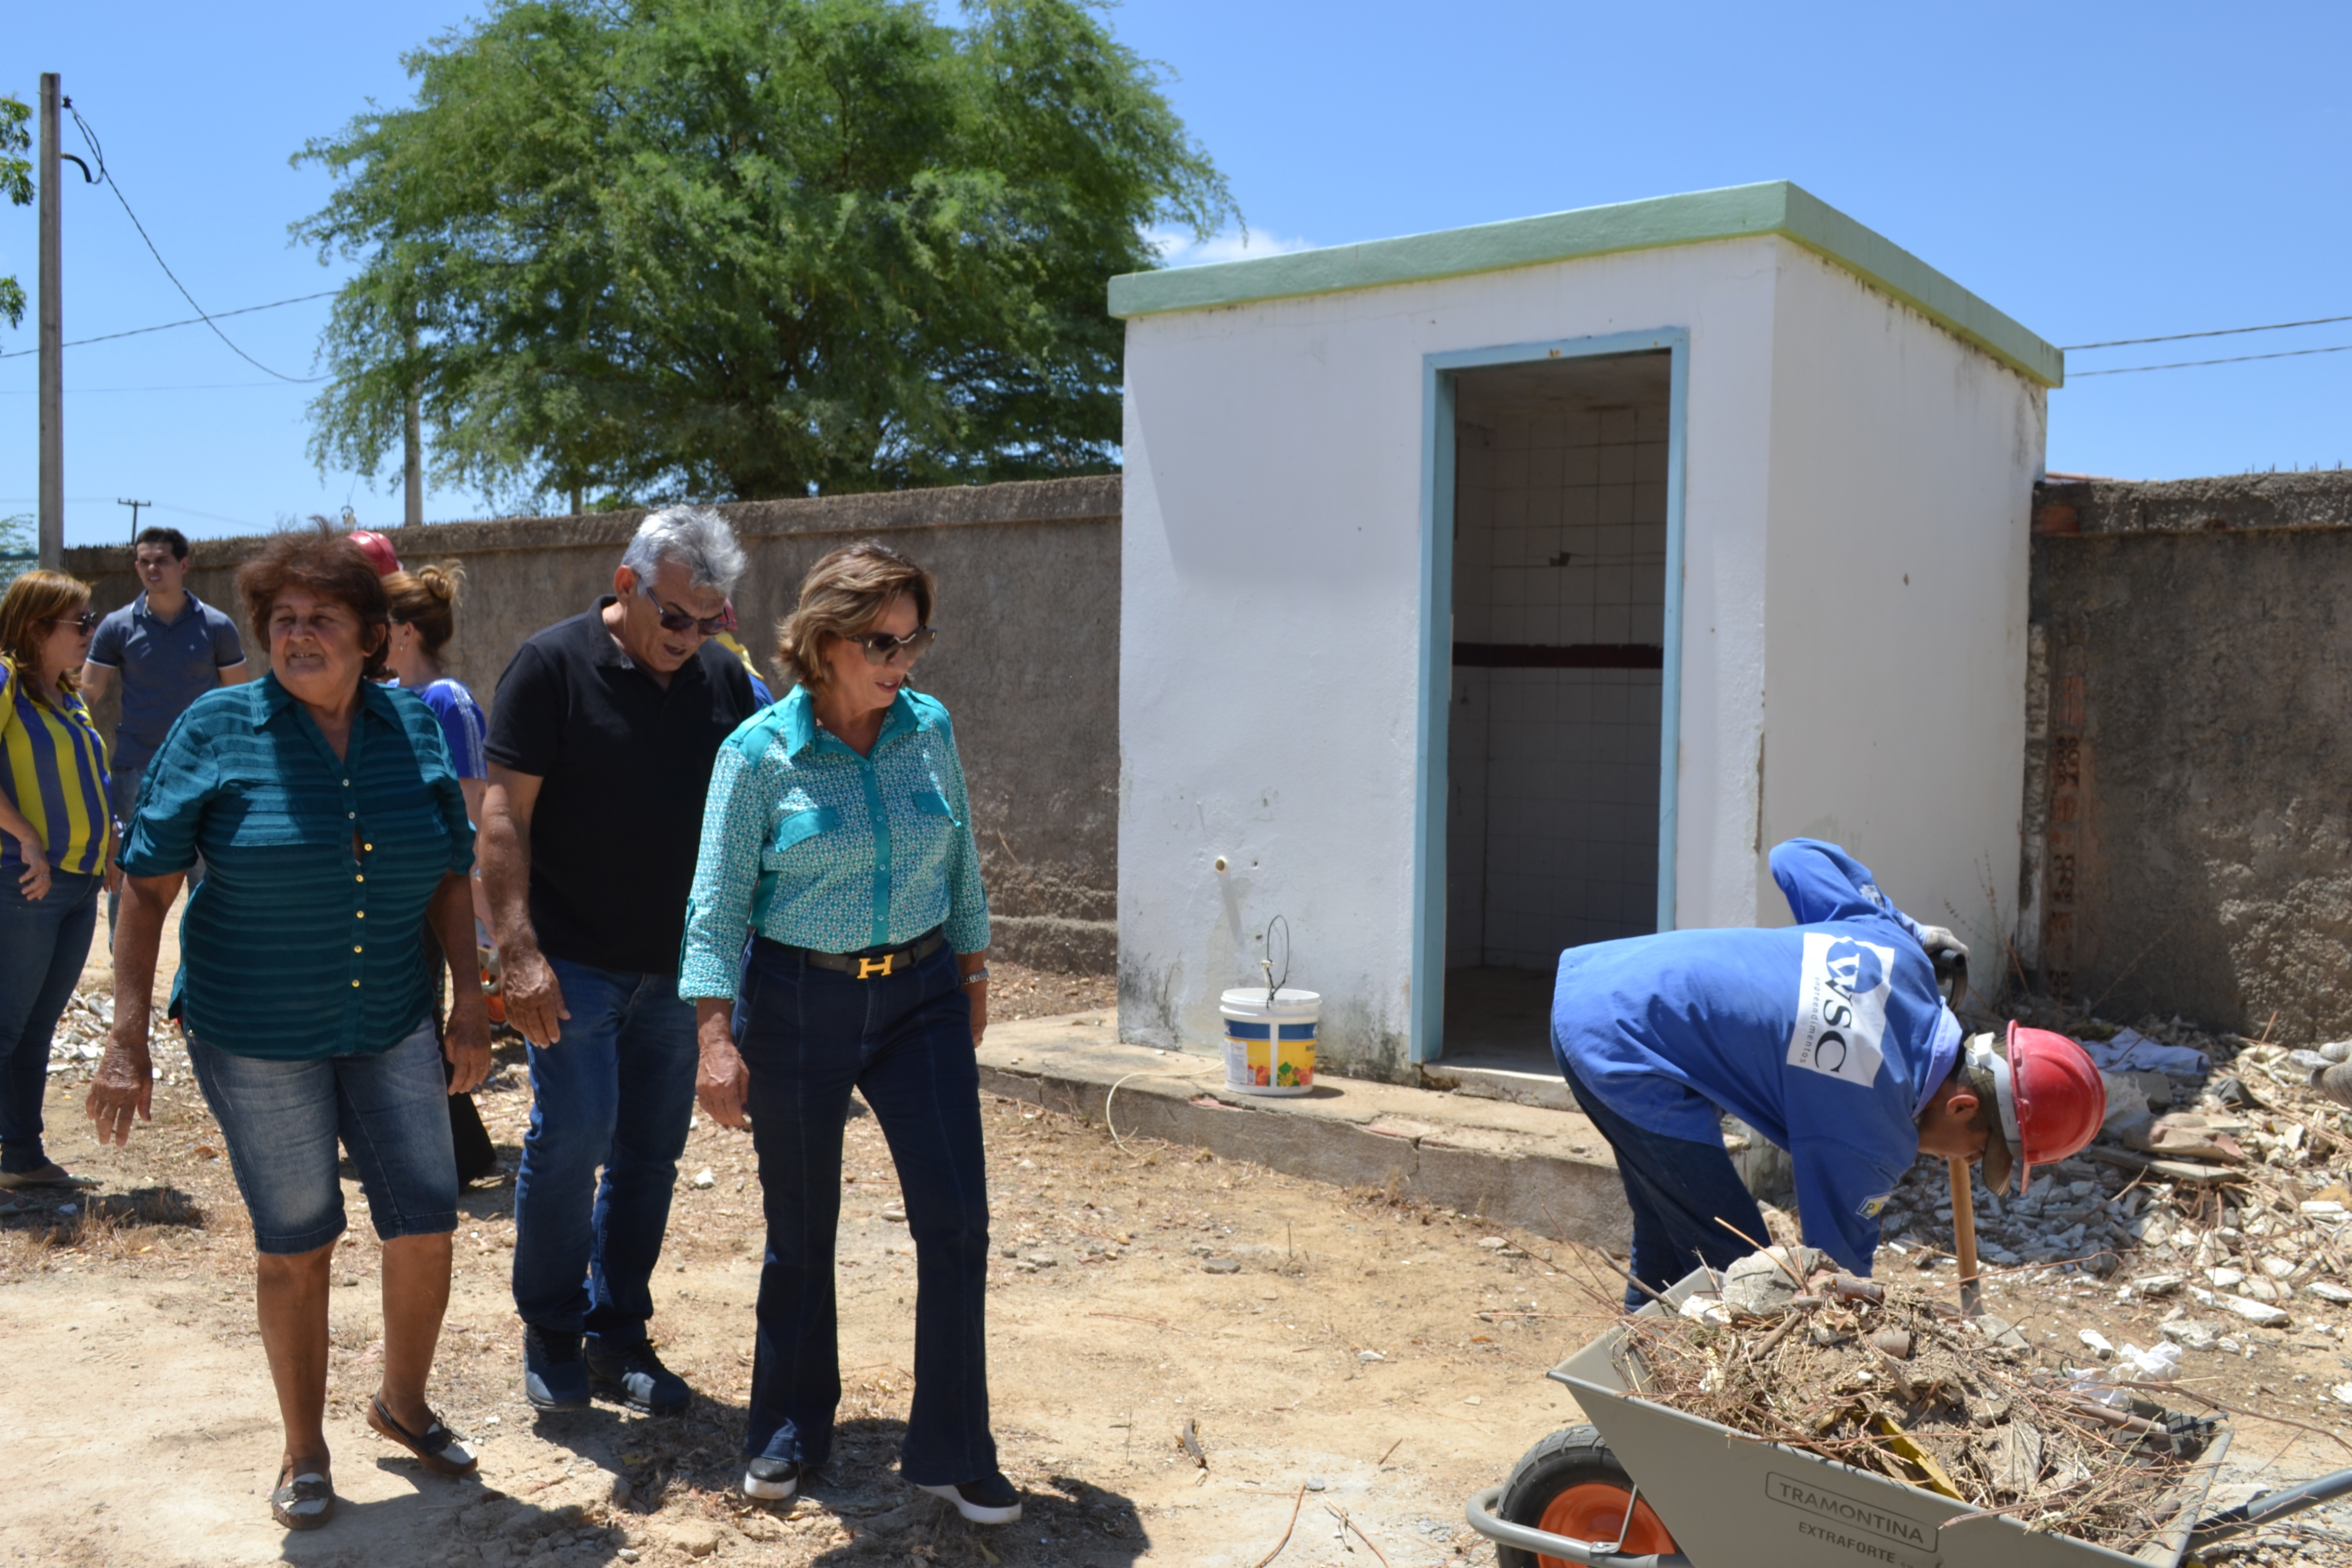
pixel 282 1119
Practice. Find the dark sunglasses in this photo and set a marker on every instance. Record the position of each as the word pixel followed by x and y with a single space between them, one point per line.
pixel 881 646
pixel 678 620
pixel 81 622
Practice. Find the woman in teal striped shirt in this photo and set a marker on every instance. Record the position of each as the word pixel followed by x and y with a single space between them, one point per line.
pixel 837 836
pixel 56 835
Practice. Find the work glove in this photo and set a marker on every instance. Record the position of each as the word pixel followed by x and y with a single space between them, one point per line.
pixel 1950 956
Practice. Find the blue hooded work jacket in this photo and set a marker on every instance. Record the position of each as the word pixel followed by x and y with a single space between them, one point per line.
pixel 1827 1037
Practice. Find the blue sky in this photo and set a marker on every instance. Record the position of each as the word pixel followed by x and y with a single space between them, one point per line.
pixel 2097 172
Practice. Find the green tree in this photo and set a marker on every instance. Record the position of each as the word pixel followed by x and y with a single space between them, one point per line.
pixel 19 549
pixel 750 248
pixel 16 185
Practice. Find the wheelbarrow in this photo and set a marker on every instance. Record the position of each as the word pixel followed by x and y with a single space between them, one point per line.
pixel 1647 1486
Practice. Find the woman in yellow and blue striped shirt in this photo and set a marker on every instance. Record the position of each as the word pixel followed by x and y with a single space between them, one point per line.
pixel 57 840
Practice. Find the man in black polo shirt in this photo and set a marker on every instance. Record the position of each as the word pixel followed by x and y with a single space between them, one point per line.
pixel 602 739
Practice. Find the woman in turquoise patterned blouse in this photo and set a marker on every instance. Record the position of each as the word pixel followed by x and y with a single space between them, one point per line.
pixel 837 837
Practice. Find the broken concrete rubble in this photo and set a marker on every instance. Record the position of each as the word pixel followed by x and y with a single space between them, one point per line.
pixel 2236 1199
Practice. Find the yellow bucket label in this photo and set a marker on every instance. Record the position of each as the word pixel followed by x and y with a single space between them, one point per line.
pixel 1269 1063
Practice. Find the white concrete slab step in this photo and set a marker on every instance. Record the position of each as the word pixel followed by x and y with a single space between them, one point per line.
pixel 1537 1167
pixel 1548 1091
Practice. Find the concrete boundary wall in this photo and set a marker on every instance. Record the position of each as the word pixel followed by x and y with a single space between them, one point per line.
pixel 1027 658
pixel 2189 759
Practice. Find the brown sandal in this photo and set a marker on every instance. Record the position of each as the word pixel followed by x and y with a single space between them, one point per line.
pixel 436 1448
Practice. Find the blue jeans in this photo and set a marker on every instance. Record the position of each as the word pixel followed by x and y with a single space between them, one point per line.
pixel 42 945
pixel 281 1120
pixel 615 1091
pixel 807 1036
pixel 1678 1190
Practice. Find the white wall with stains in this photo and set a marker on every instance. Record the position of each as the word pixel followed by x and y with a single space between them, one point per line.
pixel 1269 659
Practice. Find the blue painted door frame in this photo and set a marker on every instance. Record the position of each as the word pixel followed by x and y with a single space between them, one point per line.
pixel 1432 772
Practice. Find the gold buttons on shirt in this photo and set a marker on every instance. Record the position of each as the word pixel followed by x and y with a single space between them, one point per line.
pixel 368 847
pixel 355 948
pixel 359 879
pixel 355 985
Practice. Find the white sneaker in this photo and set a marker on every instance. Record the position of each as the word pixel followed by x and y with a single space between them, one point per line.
pixel 988 1501
pixel 772 1479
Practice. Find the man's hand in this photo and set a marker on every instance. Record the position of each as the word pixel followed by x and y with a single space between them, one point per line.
pixel 533 997
pixel 124 1085
pixel 465 1041
pixel 721 1083
pixel 1950 956
pixel 534 1000
pixel 1938 940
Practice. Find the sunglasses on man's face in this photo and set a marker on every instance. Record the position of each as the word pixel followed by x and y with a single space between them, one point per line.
pixel 81 622
pixel 881 647
pixel 676 620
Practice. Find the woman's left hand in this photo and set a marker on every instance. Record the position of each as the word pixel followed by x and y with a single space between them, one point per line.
pixel 466 1043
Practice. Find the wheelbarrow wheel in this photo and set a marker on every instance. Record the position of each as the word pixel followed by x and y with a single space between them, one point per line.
pixel 1571 1485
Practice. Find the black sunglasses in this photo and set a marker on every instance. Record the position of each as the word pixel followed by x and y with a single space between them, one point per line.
pixel 881 646
pixel 81 622
pixel 678 620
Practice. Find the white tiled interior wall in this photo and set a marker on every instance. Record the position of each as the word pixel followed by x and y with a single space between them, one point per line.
pixel 1561 536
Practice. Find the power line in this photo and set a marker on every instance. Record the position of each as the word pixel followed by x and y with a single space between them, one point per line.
pixel 2189 364
pixel 192 321
pixel 99 152
pixel 2177 337
pixel 159 506
pixel 203 386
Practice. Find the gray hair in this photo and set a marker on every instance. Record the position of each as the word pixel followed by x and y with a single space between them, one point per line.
pixel 696 538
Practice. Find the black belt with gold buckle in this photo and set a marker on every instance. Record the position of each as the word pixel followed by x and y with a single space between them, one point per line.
pixel 875 962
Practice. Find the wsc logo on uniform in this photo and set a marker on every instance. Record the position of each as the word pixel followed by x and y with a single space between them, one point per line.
pixel 1841 993
pixel 1855 967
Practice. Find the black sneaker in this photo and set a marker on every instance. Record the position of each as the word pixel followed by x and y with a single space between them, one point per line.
pixel 771 1479
pixel 633 1376
pixel 553 1376
pixel 988 1501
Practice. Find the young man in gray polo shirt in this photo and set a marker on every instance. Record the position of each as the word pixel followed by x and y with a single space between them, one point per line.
pixel 170 647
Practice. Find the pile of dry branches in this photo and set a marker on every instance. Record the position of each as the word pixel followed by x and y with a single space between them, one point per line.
pixel 1887 1380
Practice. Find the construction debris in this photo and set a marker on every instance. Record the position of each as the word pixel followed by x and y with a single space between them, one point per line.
pixel 1882 1376
pixel 2222 1180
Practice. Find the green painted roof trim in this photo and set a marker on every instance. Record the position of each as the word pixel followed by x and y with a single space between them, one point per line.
pixel 1776 207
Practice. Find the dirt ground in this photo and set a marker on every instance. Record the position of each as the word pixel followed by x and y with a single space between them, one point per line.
pixel 1389 1356
pixel 1314 1337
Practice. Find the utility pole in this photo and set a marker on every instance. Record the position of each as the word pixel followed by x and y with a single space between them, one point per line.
pixel 134 506
pixel 52 337
pixel 414 468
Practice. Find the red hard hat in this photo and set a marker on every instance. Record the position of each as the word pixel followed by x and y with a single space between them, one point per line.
pixel 378 550
pixel 2052 1101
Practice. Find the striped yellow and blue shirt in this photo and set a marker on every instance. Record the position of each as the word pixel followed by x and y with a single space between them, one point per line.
pixel 55 774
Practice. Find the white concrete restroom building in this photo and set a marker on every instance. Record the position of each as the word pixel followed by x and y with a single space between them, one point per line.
pixel 1490 592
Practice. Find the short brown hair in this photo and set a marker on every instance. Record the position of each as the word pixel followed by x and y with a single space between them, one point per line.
pixel 427 599
pixel 33 601
pixel 843 595
pixel 321 560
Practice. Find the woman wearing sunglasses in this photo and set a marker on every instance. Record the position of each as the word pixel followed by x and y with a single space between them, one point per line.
pixel 56 838
pixel 837 833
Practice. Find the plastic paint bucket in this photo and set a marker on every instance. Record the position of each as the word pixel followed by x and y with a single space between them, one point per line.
pixel 1270 1046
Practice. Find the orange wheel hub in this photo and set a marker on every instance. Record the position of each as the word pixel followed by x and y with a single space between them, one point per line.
pixel 1595 1511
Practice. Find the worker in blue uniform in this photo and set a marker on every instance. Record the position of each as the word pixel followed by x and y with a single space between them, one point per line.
pixel 1829 1038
